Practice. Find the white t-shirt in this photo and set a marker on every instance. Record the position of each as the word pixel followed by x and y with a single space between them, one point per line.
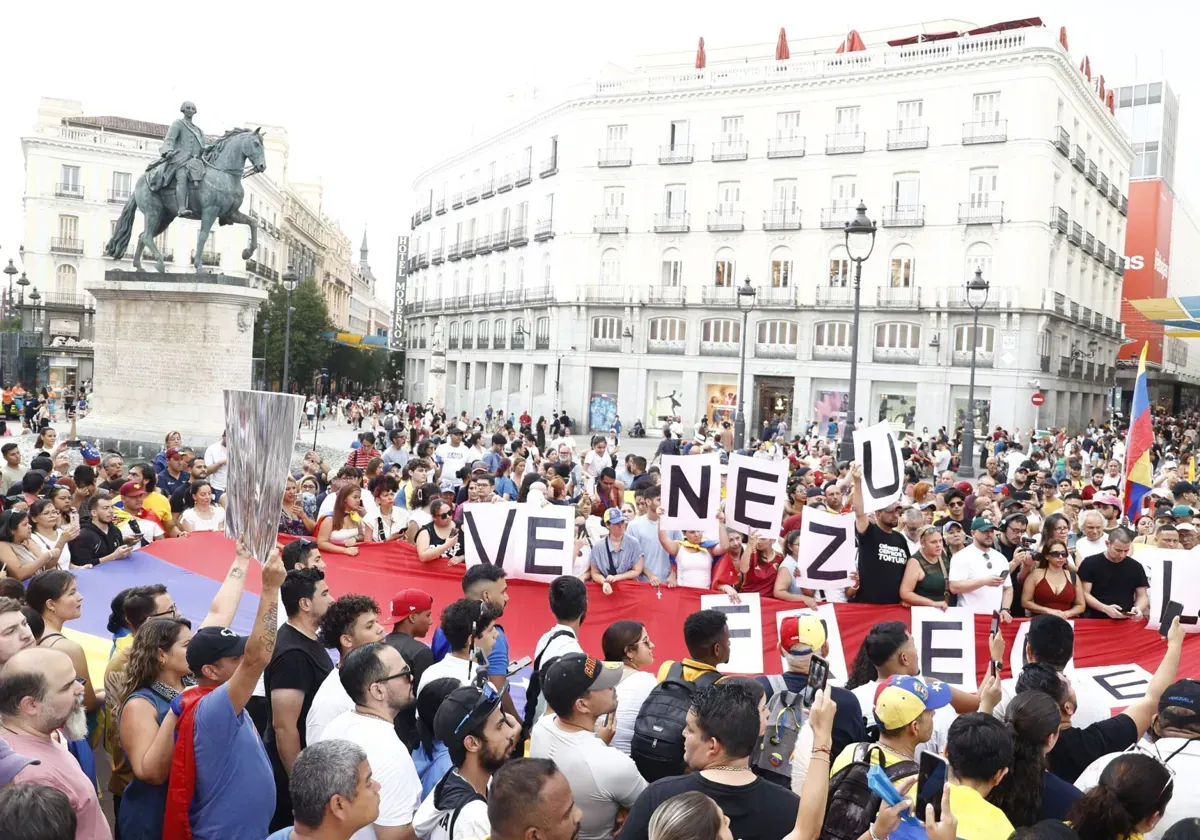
pixel 631 693
pixel 214 453
pixel 216 521
pixel 554 649
pixel 150 529
pixel 399 519
pixel 1085 548
pixel 970 564
pixel 330 701
pixel 454 458
pixel 450 666
pixel 471 824
pixel 603 779
pixel 1185 803
pixel 391 766
pixel 594 462
pixel 693 569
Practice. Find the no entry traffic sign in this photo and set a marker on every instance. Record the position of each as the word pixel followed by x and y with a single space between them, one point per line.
pixel 1038 398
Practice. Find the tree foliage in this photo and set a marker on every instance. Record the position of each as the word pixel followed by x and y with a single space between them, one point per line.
pixel 310 318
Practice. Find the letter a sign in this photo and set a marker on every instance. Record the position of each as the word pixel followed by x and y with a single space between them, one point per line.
pixel 877 451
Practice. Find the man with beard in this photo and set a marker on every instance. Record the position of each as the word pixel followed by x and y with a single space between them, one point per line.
pixel 38 696
pixel 15 635
pixel 480 736
pixel 380 684
pixel 979 574
pixel 882 550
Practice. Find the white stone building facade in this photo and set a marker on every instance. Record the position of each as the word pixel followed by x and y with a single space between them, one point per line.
pixel 588 257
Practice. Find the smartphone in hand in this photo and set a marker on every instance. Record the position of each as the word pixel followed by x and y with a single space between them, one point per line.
pixel 995 624
pixel 930 781
pixel 1173 611
pixel 818 675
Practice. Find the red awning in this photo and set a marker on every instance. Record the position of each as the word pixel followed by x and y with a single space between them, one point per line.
pixel 701 58
pixel 852 43
pixel 782 53
pixel 1062 38
pixel 1024 23
pixel 918 39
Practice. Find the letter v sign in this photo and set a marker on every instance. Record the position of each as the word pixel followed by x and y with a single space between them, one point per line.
pixel 502 549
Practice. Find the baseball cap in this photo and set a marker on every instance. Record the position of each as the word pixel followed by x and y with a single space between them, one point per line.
pixel 1185 526
pixel 613 516
pixel 801 631
pixel 463 712
pixel 1106 499
pixel 1183 487
pixel 1028 466
pixel 1182 694
pixel 901 699
pixel 965 487
pixel 1183 511
pixel 209 644
pixel 406 602
pixel 133 488
pixel 982 523
pixel 174 452
pixel 478 467
pixel 950 523
pixel 1014 517
pixel 942 488
pixel 815 492
pixel 90 455
pixel 926 505
pixel 574 674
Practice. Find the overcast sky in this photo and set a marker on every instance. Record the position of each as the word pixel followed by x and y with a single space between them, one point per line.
pixel 371 93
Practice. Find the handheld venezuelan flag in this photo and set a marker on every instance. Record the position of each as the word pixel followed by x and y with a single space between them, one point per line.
pixel 1139 473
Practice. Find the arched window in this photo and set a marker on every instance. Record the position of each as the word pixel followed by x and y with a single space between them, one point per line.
pixel 777 332
pixel 542 333
pixel 498 332
pixel 672 268
pixel 985 342
pixel 65 280
pixel 903 267
pixel 481 333
pixel 610 268
pixel 898 336
pixel 457 291
pixel 520 272
pixel 518 334
pixel 452 343
pixel 468 335
pixel 839 267
pixel 502 277
pixel 667 329
pixel 470 281
pixel 832 334
pixel 781 268
pixel 606 328
pixel 438 288
pixel 483 277
pixel 721 330
pixel 979 255
pixel 724 269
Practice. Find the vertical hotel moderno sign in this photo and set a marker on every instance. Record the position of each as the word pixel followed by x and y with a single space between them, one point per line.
pixel 397 334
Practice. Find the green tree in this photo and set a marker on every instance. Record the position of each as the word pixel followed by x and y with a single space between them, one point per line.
pixel 310 318
pixel 355 368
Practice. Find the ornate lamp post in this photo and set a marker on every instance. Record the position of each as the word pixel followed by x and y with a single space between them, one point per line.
pixel 289 283
pixel 745 300
pixel 10 270
pixel 977 295
pixel 860 242
pixel 23 281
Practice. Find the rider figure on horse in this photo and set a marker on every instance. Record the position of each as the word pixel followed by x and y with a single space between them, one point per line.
pixel 181 150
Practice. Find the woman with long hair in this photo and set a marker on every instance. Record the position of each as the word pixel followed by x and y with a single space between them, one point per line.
pixel 689 816
pixel 441 537
pixel 54 595
pixel 342 531
pixel 1056 526
pixel 200 514
pixel 21 557
pixel 1133 792
pixel 1030 792
pixel 310 487
pixel 506 488
pixel 47 534
pixel 787 587
pixel 1052 588
pixel 62 494
pixel 156 673
pixel 926 574
pixel 292 518
pixel 627 641
pixel 539 433
pixel 388 522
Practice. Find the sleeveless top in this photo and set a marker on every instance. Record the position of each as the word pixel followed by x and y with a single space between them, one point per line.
pixel 933 585
pixel 1044 596
pixel 435 540
pixel 143 805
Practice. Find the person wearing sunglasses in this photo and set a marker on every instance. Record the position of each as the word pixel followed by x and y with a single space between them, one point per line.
pixel 979 573
pixel 481 737
pixel 1052 588
pixel 380 683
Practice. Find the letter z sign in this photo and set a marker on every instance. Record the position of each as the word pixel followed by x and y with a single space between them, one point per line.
pixel 827 550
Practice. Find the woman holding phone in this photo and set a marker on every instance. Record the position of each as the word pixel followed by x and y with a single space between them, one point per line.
pixel 440 538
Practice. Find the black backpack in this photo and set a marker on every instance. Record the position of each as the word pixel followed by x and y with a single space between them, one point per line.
pixel 534 691
pixel 657 745
pixel 772 757
pixel 852 806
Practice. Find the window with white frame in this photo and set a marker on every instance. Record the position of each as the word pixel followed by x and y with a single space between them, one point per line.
pixel 66 280
pixel 896 336
pixel 453 333
pixel 457 284
pixel 910 114
pixel 468 332
pixel 906 192
pixel 498 328
pixel 985 341
pixel 777 332
pixel 731 129
pixel 985 108
pixel 903 267
pixel 785 194
pixel 483 280
pixel 787 125
pixel 724 268
pixel 71 179
pixel 617 137
pixel 729 196
pixel 781 268
pixel 542 328
pixel 610 268
pixel 846 121
pixel 832 334
pixel 677 136
pixel 979 256
pixel 122 184
pixel 667 329
pixel 614 202
pixel 839 268
pixel 721 330
pixel 68 227
pixel 470 281
pixel 483 331
pixel 606 328
pixel 984 185
pixel 672 268
pixel 675 200
pixel 843 192
pixel 502 276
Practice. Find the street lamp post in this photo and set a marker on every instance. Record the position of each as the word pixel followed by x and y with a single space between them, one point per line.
pixel 860 242
pixel 10 270
pixel 266 370
pixel 977 295
pixel 289 283
pixel 745 301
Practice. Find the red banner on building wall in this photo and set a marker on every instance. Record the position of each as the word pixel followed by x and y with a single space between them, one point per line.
pixel 1147 264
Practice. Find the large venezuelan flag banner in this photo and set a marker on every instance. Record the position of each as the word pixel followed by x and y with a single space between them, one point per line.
pixel 1139 472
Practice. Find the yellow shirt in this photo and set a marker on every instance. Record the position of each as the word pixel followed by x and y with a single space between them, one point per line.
pixel 691 669
pixel 977 818
pixel 155 502
pixel 1052 506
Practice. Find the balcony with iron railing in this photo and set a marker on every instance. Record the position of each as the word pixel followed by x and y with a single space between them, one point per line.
pixel 606 344
pixel 548 167
pixel 900 297
pixel 785 147
pixel 118 196
pixel 718 295
pixel 981 212
pixel 781 219
pixel 831 353
pixel 1124 208
pixel 422 261
pixel 1062 141
pixel 1075 235
pixel 904 215
pixel 896 355
pixel 666 346
pixel 983 358
pixel 614 157
pixel 468 247
pixel 611 294
pixel 468 342
pixel 956 297
pixel 68 190
pixel 1114 195
pixel 456 200
pixel 452 343
pixel 1089 243
pixel 610 223
pixel 482 342
pixel 720 348
pixel 541 342
pixel 524 175
pixel 210 258
pixel 1093 172
pixel 672 222
pixel 472 195
pixel 543 230
pixel 518 236
pixel 1102 185
pixel 483 244
pixel 774 350
pixel 66 300
pixel 985 131
pixel 426 213
pixel 845 143
pixel 726 221
pixel 730 150
pixel 675 153
pixel 439 206
pixel 488 188
pixel 666 295
pixel 1120 267
pixel 495 299
pixel 776 297
pixel 66 245
pixel 498 342
pixel 1079 158
pixel 500 240
pixel 1111 259
pixel 479 300
pixel 835 218
pixel 453 254
pixel 438 256
pixel 506 182
pixel 912 137
pixel 1101 250
pixel 835 295
pixel 1058 219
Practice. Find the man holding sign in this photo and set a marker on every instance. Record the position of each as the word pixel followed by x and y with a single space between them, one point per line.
pixel 882 550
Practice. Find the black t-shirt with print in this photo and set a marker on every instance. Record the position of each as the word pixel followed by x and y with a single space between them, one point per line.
pixel 881 560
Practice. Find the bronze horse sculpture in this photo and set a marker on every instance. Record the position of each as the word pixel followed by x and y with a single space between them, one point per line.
pixel 217 196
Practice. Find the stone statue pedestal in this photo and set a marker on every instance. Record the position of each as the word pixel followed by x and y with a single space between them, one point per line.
pixel 166 348
pixel 435 384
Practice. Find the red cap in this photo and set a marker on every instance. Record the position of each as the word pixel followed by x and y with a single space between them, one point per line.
pixel 408 601
pixel 133 488
pixel 964 487
pixel 174 452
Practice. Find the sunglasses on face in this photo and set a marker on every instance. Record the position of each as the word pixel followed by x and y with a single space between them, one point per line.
pixel 1058 554
pixel 955 503
pixel 441 516
pixel 406 674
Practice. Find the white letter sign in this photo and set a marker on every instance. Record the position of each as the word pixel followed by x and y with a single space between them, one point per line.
pixel 877 451
pixel 946 645
pixel 755 490
pixel 745 631
pixel 691 491
pixel 528 543
pixel 827 550
pixel 1173 576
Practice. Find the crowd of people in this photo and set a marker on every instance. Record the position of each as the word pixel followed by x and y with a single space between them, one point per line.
pixel 339 717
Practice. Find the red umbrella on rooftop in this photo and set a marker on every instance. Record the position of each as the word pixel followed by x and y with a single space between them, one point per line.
pixel 852 43
pixel 782 53
pixel 701 58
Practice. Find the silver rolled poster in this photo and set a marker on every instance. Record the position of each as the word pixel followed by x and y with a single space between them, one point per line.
pixel 259 427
